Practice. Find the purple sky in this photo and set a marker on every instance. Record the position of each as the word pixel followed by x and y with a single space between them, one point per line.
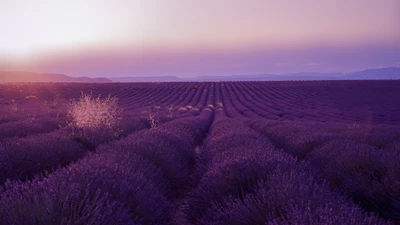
pixel 198 38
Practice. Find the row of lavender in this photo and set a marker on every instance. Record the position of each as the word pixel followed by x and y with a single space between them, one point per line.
pixel 239 173
pixel 39 101
pixel 384 135
pixel 357 161
pixel 360 178
pixel 29 150
pixel 22 158
pixel 360 161
pixel 362 164
pixel 44 124
pixel 338 101
pixel 132 181
pixel 315 101
pixel 243 179
pixel 142 102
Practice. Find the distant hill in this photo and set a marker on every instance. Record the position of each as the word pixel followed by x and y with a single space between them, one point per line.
pixel 146 79
pixel 273 77
pixel 20 76
pixel 390 73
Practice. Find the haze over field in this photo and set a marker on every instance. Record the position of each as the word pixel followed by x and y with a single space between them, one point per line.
pixel 198 38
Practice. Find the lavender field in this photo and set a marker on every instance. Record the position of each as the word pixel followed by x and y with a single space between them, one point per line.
pixel 310 152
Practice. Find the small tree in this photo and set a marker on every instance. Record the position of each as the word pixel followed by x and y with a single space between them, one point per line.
pixel 94 120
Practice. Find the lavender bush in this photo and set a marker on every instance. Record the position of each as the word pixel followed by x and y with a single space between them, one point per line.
pixel 27 127
pixel 362 172
pixel 288 197
pixel 30 156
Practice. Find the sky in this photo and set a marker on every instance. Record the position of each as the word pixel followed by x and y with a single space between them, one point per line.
pixel 186 38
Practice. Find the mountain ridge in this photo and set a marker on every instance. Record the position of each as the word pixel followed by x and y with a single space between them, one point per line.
pixel 387 73
pixel 22 76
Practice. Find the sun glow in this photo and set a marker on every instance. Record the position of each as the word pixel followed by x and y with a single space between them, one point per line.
pixel 77 36
pixel 23 46
pixel 32 28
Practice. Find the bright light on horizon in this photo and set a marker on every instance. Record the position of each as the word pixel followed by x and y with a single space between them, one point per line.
pixel 32 28
pixel 53 30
